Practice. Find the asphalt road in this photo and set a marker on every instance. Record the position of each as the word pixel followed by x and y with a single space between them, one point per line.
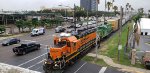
pixel 34 60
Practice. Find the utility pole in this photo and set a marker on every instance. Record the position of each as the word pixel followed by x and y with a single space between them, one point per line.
pixel 74 16
pixel 105 5
pixel 120 33
pixel 87 18
pixel 96 29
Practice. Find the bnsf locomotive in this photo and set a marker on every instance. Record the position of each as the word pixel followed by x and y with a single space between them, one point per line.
pixel 69 47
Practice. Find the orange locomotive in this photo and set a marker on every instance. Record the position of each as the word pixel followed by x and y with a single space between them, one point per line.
pixel 68 48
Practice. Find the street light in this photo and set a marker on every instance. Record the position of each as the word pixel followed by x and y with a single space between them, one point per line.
pixel 66 10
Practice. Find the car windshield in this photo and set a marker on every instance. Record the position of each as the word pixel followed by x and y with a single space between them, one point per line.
pixel 34 31
pixel 7 40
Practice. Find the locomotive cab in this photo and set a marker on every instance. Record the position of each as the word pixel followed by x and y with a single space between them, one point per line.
pixel 62 48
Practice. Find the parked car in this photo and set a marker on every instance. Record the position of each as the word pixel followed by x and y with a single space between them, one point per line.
pixel 146 59
pixel 10 41
pixel 26 48
pixel 70 30
pixel 78 25
pixel 59 29
pixel 38 31
pixel 71 26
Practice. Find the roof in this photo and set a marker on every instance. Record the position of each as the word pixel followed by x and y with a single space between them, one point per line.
pixel 145 23
pixel 72 38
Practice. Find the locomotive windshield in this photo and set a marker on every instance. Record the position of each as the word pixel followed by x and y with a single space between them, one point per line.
pixel 61 43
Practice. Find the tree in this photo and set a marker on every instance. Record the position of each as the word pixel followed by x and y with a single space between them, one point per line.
pixel 113 3
pixel 130 7
pixel 79 12
pixel 42 22
pixel 148 13
pixel 127 7
pixel 35 22
pixel 28 24
pixel 115 9
pixel 141 10
pixel 109 4
pixel 2 29
pixel 136 20
pixel 19 24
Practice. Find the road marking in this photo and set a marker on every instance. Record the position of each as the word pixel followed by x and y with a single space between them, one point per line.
pixel 38 68
pixel 44 45
pixel 80 68
pixel 35 64
pixel 31 60
pixel 103 70
pixel 42 37
pixel 29 40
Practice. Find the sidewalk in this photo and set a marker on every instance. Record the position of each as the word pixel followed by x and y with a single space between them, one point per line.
pixel 5 68
pixel 110 62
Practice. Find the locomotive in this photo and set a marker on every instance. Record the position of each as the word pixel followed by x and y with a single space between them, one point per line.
pixel 70 47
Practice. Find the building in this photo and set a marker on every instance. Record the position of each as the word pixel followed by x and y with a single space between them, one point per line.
pixel 89 5
pixel 9 17
pixel 145 26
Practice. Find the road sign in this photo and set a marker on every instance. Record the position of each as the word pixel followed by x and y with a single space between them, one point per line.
pixel 119 47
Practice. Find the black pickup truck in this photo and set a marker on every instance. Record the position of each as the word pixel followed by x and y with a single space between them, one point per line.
pixel 25 48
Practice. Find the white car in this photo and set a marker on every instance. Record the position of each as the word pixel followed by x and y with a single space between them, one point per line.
pixel 59 29
pixel 38 31
pixel 78 25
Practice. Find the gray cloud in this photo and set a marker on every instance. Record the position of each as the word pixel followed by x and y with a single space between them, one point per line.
pixel 36 4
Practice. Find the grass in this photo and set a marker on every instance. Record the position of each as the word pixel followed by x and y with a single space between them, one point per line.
pixel 91 60
pixel 112 47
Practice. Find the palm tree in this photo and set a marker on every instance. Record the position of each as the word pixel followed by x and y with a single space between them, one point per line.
pixel 127 5
pixel 136 35
pixel 109 5
pixel 115 9
pixel 141 10
pixel 149 11
pixel 113 3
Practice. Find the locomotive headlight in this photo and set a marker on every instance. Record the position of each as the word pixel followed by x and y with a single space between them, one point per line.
pixel 45 62
pixel 56 65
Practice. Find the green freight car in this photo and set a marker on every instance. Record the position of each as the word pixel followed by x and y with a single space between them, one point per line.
pixel 104 30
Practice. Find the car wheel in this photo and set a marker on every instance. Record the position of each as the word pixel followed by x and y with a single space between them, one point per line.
pixel 23 53
pixel 18 41
pixel 8 44
pixel 38 47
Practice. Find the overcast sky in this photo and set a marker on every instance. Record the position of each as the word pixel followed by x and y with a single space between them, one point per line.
pixel 37 4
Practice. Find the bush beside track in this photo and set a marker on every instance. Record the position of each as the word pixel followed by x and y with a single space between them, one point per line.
pixel 109 47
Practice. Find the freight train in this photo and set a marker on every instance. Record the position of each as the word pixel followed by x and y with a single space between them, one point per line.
pixel 70 47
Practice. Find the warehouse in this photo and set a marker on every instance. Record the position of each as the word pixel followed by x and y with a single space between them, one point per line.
pixel 145 26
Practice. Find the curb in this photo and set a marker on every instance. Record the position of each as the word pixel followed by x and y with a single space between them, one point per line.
pixel 110 62
pixel 5 68
pixel 2 38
